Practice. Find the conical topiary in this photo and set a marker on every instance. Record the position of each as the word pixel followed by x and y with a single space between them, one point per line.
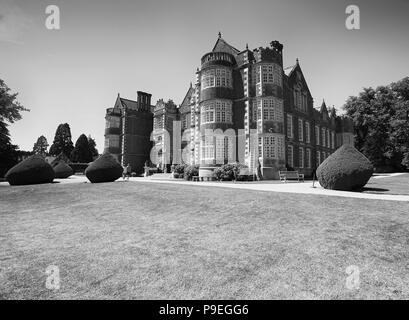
pixel 105 169
pixel 33 170
pixel 62 170
pixel 346 169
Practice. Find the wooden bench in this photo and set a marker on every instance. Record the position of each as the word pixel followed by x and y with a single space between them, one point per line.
pixel 291 175
pixel 197 178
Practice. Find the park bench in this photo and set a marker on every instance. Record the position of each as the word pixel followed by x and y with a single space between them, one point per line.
pixel 197 178
pixel 291 175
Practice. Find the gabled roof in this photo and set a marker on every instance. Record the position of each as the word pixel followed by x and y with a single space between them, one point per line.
pixel 123 103
pixel 293 71
pixel 222 46
pixel 129 104
pixel 188 96
pixel 324 107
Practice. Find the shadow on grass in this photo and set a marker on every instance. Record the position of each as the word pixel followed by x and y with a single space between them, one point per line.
pixel 369 189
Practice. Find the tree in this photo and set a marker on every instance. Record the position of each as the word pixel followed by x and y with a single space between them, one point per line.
pixel 40 147
pixel 62 141
pixel 82 152
pixel 381 125
pixel 400 121
pixel 10 111
pixel 93 147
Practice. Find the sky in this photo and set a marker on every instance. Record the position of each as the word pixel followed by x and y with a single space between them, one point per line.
pixel 108 47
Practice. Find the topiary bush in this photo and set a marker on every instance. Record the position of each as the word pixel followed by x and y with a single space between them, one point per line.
pixel 346 169
pixel 105 169
pixel 62 170
pixel 33 170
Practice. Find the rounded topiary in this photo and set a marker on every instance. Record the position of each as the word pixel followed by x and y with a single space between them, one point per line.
pixel 33 170
pixel 105 169
pixel 62 170
pixel 346 169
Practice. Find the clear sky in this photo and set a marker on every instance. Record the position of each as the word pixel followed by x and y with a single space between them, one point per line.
pixel 108 47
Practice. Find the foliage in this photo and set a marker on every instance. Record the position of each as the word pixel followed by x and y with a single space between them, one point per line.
pixel 40 147
pixel 228 172
pixel 33 170
pixel 346 169
pixel 105 169
pixel 10 111
pixel 179 169
pixel 62 170
pixel 82 151
pixel 10 108
pixel 191 171
pixel 93 147
pixel 62 141
pixel 381 123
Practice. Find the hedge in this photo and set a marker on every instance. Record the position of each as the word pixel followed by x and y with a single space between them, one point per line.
pixel 33 170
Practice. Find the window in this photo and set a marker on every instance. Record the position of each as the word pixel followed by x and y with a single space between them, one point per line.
pixel 328 139
pixel 307 132
pixel 216 78
pixel 308 157
pixel 112 141
pixel 269 73
pixel 270 147
pixel 273 147
pixel 300 130
pixel 300 100
pixel 220 149
pixel 318 154
pixel 290 132
pixel 208 148
pixel 273 109
pixel 317 135
pixel 323 137
pixel 304 102
pixel 254 111
pixel 112 122
pixel 217 111
pixel 301 157
pixel 332 140
pixel 290 158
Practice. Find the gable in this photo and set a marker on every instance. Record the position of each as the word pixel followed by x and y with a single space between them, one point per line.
pixel 296 76
pixel 188 96
pixel 223 46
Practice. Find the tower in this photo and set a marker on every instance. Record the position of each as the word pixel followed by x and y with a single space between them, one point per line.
pixel 268 108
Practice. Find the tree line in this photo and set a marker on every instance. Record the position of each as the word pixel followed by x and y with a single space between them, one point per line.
pixel 84 150
pixel 381 124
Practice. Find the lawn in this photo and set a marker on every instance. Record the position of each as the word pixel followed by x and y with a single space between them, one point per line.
pixel 398 185
pixel 135 240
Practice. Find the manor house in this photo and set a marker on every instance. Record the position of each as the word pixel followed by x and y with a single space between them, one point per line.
pixel 261 113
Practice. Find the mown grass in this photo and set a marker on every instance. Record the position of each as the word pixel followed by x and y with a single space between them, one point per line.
pixel 133 240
